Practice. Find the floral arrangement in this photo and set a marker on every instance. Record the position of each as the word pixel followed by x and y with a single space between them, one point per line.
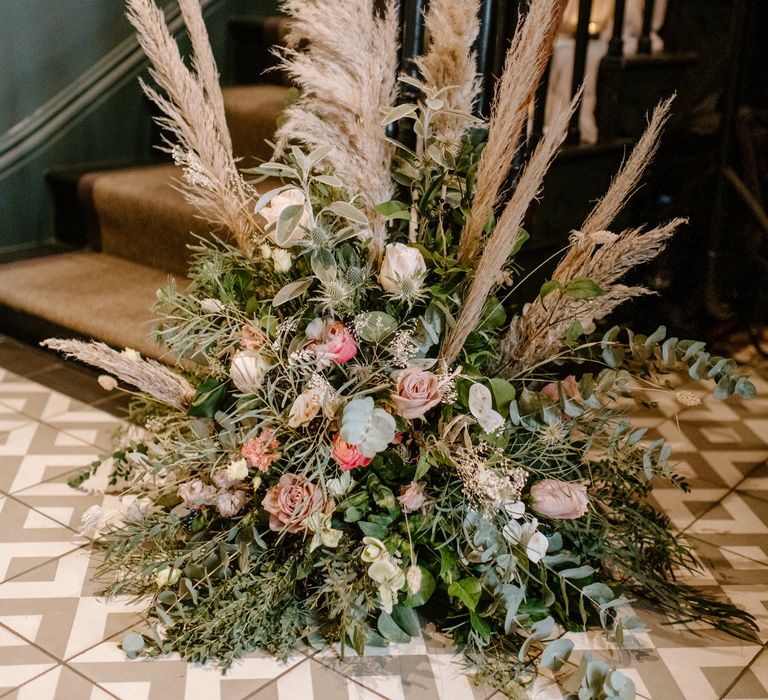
pixel 360 428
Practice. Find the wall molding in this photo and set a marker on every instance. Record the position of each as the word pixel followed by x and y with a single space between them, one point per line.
pixel 80 97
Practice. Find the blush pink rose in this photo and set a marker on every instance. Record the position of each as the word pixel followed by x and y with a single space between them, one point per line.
pixel 291 501
pixel 348 456
pixel 559 500
pixel 412 497
pixel 416 391
pixel 569 386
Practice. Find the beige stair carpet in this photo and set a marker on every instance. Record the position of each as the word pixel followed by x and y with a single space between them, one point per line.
pixel 94 294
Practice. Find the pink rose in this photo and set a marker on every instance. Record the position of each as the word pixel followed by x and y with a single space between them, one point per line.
pixel 416 391
pixel 559 500
pixel 291 501
pixel 412 497
pixel 348 456
pixel 333 341
pixel 569 386
pixel 195 494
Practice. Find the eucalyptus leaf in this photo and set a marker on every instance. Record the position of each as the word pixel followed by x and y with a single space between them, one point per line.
pixel 390 630
pixel 556 654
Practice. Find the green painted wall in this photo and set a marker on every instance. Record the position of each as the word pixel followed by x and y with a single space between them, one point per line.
pixel 47 49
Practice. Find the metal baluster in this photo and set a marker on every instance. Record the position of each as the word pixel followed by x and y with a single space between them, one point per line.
pixel 644 44
pixel 412 12
pixel 579 64
pixel 616 45
pixel 540 108
pixel 500 18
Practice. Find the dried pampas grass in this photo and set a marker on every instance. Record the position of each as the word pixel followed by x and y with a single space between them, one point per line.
pixel 147 375
pixel 450 62
pixel 343 57
pixel 525 63
pixel 193 109
pixel 538 333
pixel 507 234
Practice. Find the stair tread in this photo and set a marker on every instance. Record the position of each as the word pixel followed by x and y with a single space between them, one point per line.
pixel 93 294
pixel 252 112
pixel 143 216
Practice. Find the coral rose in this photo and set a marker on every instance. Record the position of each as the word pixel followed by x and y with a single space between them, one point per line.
pixel 332 341
pixel 559 500
pixel 348 456
pixel 416 391
pixel 291 501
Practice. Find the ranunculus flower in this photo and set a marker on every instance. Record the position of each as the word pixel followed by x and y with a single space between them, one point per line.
pixel 272 212
pixel 291 501
pixel 248 369
pixel 401 262
pixel 306 406
pixel 569 386
pixel 195 494
pixel 347 456
pixel 332 340
pixel 416 391
pixel 559 500
pixel 412 497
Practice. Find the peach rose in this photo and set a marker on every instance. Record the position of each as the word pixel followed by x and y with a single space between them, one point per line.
pixel 559 500
pixel 570 389
pixel 416 391
pixel 348 456
pixel 291 501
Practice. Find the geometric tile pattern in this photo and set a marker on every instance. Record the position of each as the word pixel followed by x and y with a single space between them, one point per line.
pixel 59 640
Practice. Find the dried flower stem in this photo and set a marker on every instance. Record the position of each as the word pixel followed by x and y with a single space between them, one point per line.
pixel 507 233
pixel 525 63
pixel 147 375
pixel 193 110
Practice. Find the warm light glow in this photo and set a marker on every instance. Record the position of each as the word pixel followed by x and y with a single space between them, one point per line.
pixel 599 17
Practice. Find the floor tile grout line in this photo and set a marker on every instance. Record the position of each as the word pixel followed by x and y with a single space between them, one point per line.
pixel 252 693
pixel 90 680
pixel 74 549
pixel 743 671
pixel 726 549
pixel 56 661
pixel 350 678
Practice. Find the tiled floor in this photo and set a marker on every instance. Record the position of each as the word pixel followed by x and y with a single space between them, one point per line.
pixel 58 640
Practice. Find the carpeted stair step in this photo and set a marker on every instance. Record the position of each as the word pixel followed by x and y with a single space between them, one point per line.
pixel 139 214
pixel 84 293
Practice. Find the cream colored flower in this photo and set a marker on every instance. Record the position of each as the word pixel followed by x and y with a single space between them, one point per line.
pixel 282 260
pixel 107 382
pixel 167 577
pixel 401 262
pixel 271 213
pixel 374 550
pixel 237 470
pixel 248 369
pixel 131 354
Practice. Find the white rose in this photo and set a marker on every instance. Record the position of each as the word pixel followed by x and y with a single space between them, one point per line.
pixel 281 260
pixel 306 406
pixel 401 262
pixel 271 213
pixel 237 470
pixel 248 369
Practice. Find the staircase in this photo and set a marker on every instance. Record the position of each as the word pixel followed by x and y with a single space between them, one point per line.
pixel 123 228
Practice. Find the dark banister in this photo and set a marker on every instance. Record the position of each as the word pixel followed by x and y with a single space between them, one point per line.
pixel 644 44
pixel 412 18
pixel 540 108
pixel 616 45
pixel 499 19
pixel 579 64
